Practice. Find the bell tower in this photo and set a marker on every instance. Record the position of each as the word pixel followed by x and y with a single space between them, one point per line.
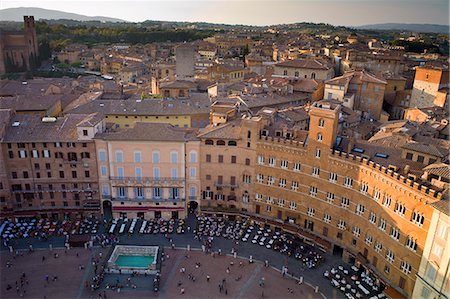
pixel 30 35
pixel 323 127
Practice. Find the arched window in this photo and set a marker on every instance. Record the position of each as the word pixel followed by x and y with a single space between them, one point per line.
pixel 220 142
pixel 232 143
pixel 296 74
pixel 209 142
pixel 313 75
pixel 321 122
pixel 319 137
pixel 285 73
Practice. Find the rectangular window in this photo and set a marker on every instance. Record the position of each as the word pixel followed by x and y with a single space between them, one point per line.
pixel 296 167
pixel 121 192
pixel 284 164
pixel 74 174
pixel 46 153
pixel 174 193
pixel 119 156
pixel 282 183
pixel 294 185
pixel 409 156
pixel 174 157
pixel 138 172
pixel 174 173
pixel 193 172
pixel 35 153
pixel 137 157
pixel 208 158
pixel 193 157
pixel 156 192
pixel 155 157
pixel 61 174
pixel 22 154
pixel 270 180
pixel 156 172
pixel 103 171
pixel 139 192
pixel 87 174
pixel 233 159
pixel 105 190
pixel 220 159
pixel 120 172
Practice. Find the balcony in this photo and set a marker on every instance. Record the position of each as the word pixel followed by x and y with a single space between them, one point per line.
pixel 226 185
pixel 153 199
pixel 86 190
pixel 143 180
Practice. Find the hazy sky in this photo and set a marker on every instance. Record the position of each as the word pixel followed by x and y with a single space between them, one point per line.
pixel 256 12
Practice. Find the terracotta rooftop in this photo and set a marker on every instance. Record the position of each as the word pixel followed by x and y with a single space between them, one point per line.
pixel 439 169
pixel 30 128
pixel 148 132
pixel 305 63
pixel 198 103
pixel 443 205
pixel 30 102
pixel 426 149
pixel 229 130
pixel 355 77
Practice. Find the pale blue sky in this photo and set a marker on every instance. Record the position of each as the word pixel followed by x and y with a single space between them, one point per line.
pixel 256 12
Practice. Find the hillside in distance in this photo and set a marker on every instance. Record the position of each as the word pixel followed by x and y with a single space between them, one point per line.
pixel 16 15
pixel 433 28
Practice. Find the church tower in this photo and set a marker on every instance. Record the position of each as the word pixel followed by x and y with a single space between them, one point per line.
pixel 30 35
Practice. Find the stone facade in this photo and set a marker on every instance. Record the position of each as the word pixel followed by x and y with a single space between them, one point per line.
pixel 147 177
